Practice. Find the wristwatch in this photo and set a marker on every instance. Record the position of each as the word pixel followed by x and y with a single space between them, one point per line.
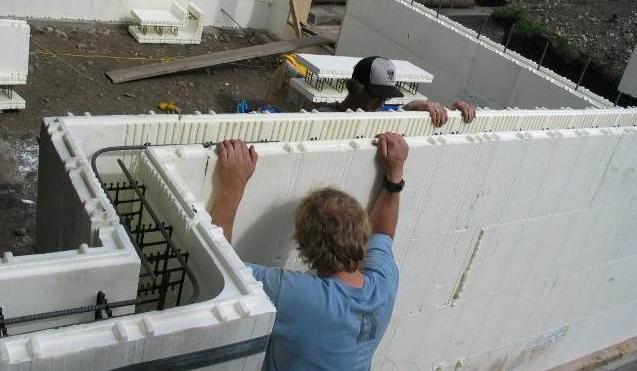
pixel 394 187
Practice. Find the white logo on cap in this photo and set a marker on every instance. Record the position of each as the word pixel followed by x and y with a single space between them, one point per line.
pixel 390 75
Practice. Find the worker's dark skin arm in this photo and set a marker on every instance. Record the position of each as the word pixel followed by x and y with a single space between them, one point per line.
pixel 235 167
pixel 438 113
pixel 392 153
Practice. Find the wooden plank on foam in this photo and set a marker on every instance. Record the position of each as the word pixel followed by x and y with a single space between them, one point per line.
pixel 214 59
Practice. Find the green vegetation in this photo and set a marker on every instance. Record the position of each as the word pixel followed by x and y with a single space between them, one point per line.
pixel 508 16
pixel 529 36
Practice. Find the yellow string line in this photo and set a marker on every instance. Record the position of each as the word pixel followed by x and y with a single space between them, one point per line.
pixel 162 59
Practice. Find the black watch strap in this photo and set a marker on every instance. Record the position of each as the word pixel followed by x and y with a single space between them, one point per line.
pixel 394 187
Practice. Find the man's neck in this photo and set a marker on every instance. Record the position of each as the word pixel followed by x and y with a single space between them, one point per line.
pixel 355 279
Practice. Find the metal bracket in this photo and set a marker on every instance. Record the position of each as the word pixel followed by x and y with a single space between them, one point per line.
pixel 102 305
pixel 3 326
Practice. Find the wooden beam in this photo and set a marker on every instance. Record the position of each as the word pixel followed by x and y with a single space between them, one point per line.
pixel 209 60
pixel 295 20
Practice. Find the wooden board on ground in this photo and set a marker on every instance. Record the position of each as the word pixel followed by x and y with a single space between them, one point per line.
pixel 214 59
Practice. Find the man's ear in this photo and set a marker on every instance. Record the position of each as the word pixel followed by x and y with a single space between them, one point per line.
pixel 355 87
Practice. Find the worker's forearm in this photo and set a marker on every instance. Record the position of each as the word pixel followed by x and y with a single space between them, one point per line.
pixel 224 209
pixel 384 213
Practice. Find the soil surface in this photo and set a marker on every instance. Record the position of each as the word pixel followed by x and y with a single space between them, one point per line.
pixel 606 29
pixel 66 74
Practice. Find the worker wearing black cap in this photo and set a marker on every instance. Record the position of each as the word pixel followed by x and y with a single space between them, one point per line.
pixel 373 82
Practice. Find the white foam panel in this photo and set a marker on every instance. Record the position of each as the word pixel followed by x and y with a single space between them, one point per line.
pixel 490 258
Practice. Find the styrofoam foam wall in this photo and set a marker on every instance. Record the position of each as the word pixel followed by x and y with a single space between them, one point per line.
pixel 99 131
pixel 628 84
pixel 342 67
pixel 249 13
pixel 14 43
pixel 331 95
pixel 188 33
pixel 232 306
pixel 465 67
pixel 514 249
pixel 13 103
pixel 48 282
pixel 68 142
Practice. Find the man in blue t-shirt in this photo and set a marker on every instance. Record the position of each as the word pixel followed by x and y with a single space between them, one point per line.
pixel 334 319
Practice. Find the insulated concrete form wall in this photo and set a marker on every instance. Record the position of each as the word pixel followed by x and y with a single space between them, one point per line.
pixel 628 85
pixel 232 306
pixel 515 250
pixel 241 310
pixel 269 14
pixel 40 283
pixel 95 132
pixel 476 70
pixel 14 43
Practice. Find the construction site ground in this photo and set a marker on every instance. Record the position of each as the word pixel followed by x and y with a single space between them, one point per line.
pixel 66 74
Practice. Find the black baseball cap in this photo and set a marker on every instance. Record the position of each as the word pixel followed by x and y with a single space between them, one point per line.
pixel 378 75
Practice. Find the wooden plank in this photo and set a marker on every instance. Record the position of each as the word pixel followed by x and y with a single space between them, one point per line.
pixel 619 355
pixel 299 11
pixel 215 59
pixel 295 19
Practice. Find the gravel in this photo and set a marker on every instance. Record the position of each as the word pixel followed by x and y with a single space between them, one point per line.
pixel 606 29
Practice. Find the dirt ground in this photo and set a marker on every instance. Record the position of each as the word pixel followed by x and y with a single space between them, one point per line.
pixel 605 28
pixel 74 81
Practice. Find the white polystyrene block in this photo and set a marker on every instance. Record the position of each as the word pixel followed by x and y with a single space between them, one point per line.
pixel 190 129
pixel 622 244
pixel 13 101
pixel 557 175
pixel 417 265
pixel 436 340
pixel 628 83
pixel 468 327
pixel 617 182
pixel 457 57
pixel 186 25
pixel 159 17
pixel 494 188
pixel 441 198
pixel 513 273
pixel 341 67
pixel 524 305
pixel 47 282
pixel 452 268
pixel 497 315
pixel 403 348
pixel 219 271
pixel 330 95
pixel 473 189
pixel 491 262
pixel 249 13
pixel 528 181
pixel 14 63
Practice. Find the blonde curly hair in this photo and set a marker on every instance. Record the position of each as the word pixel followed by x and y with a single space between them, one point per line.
pixel 331 229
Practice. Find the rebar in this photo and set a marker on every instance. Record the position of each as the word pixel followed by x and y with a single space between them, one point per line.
pixel 546 48
pixel 484 23
pixel 506 46
pixel 66 312
pixel 162 230
pixel 581 77
pixel 136 189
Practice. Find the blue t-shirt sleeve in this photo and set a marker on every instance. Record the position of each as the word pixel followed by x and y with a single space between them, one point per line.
pixel 271 278
pixel 379 257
